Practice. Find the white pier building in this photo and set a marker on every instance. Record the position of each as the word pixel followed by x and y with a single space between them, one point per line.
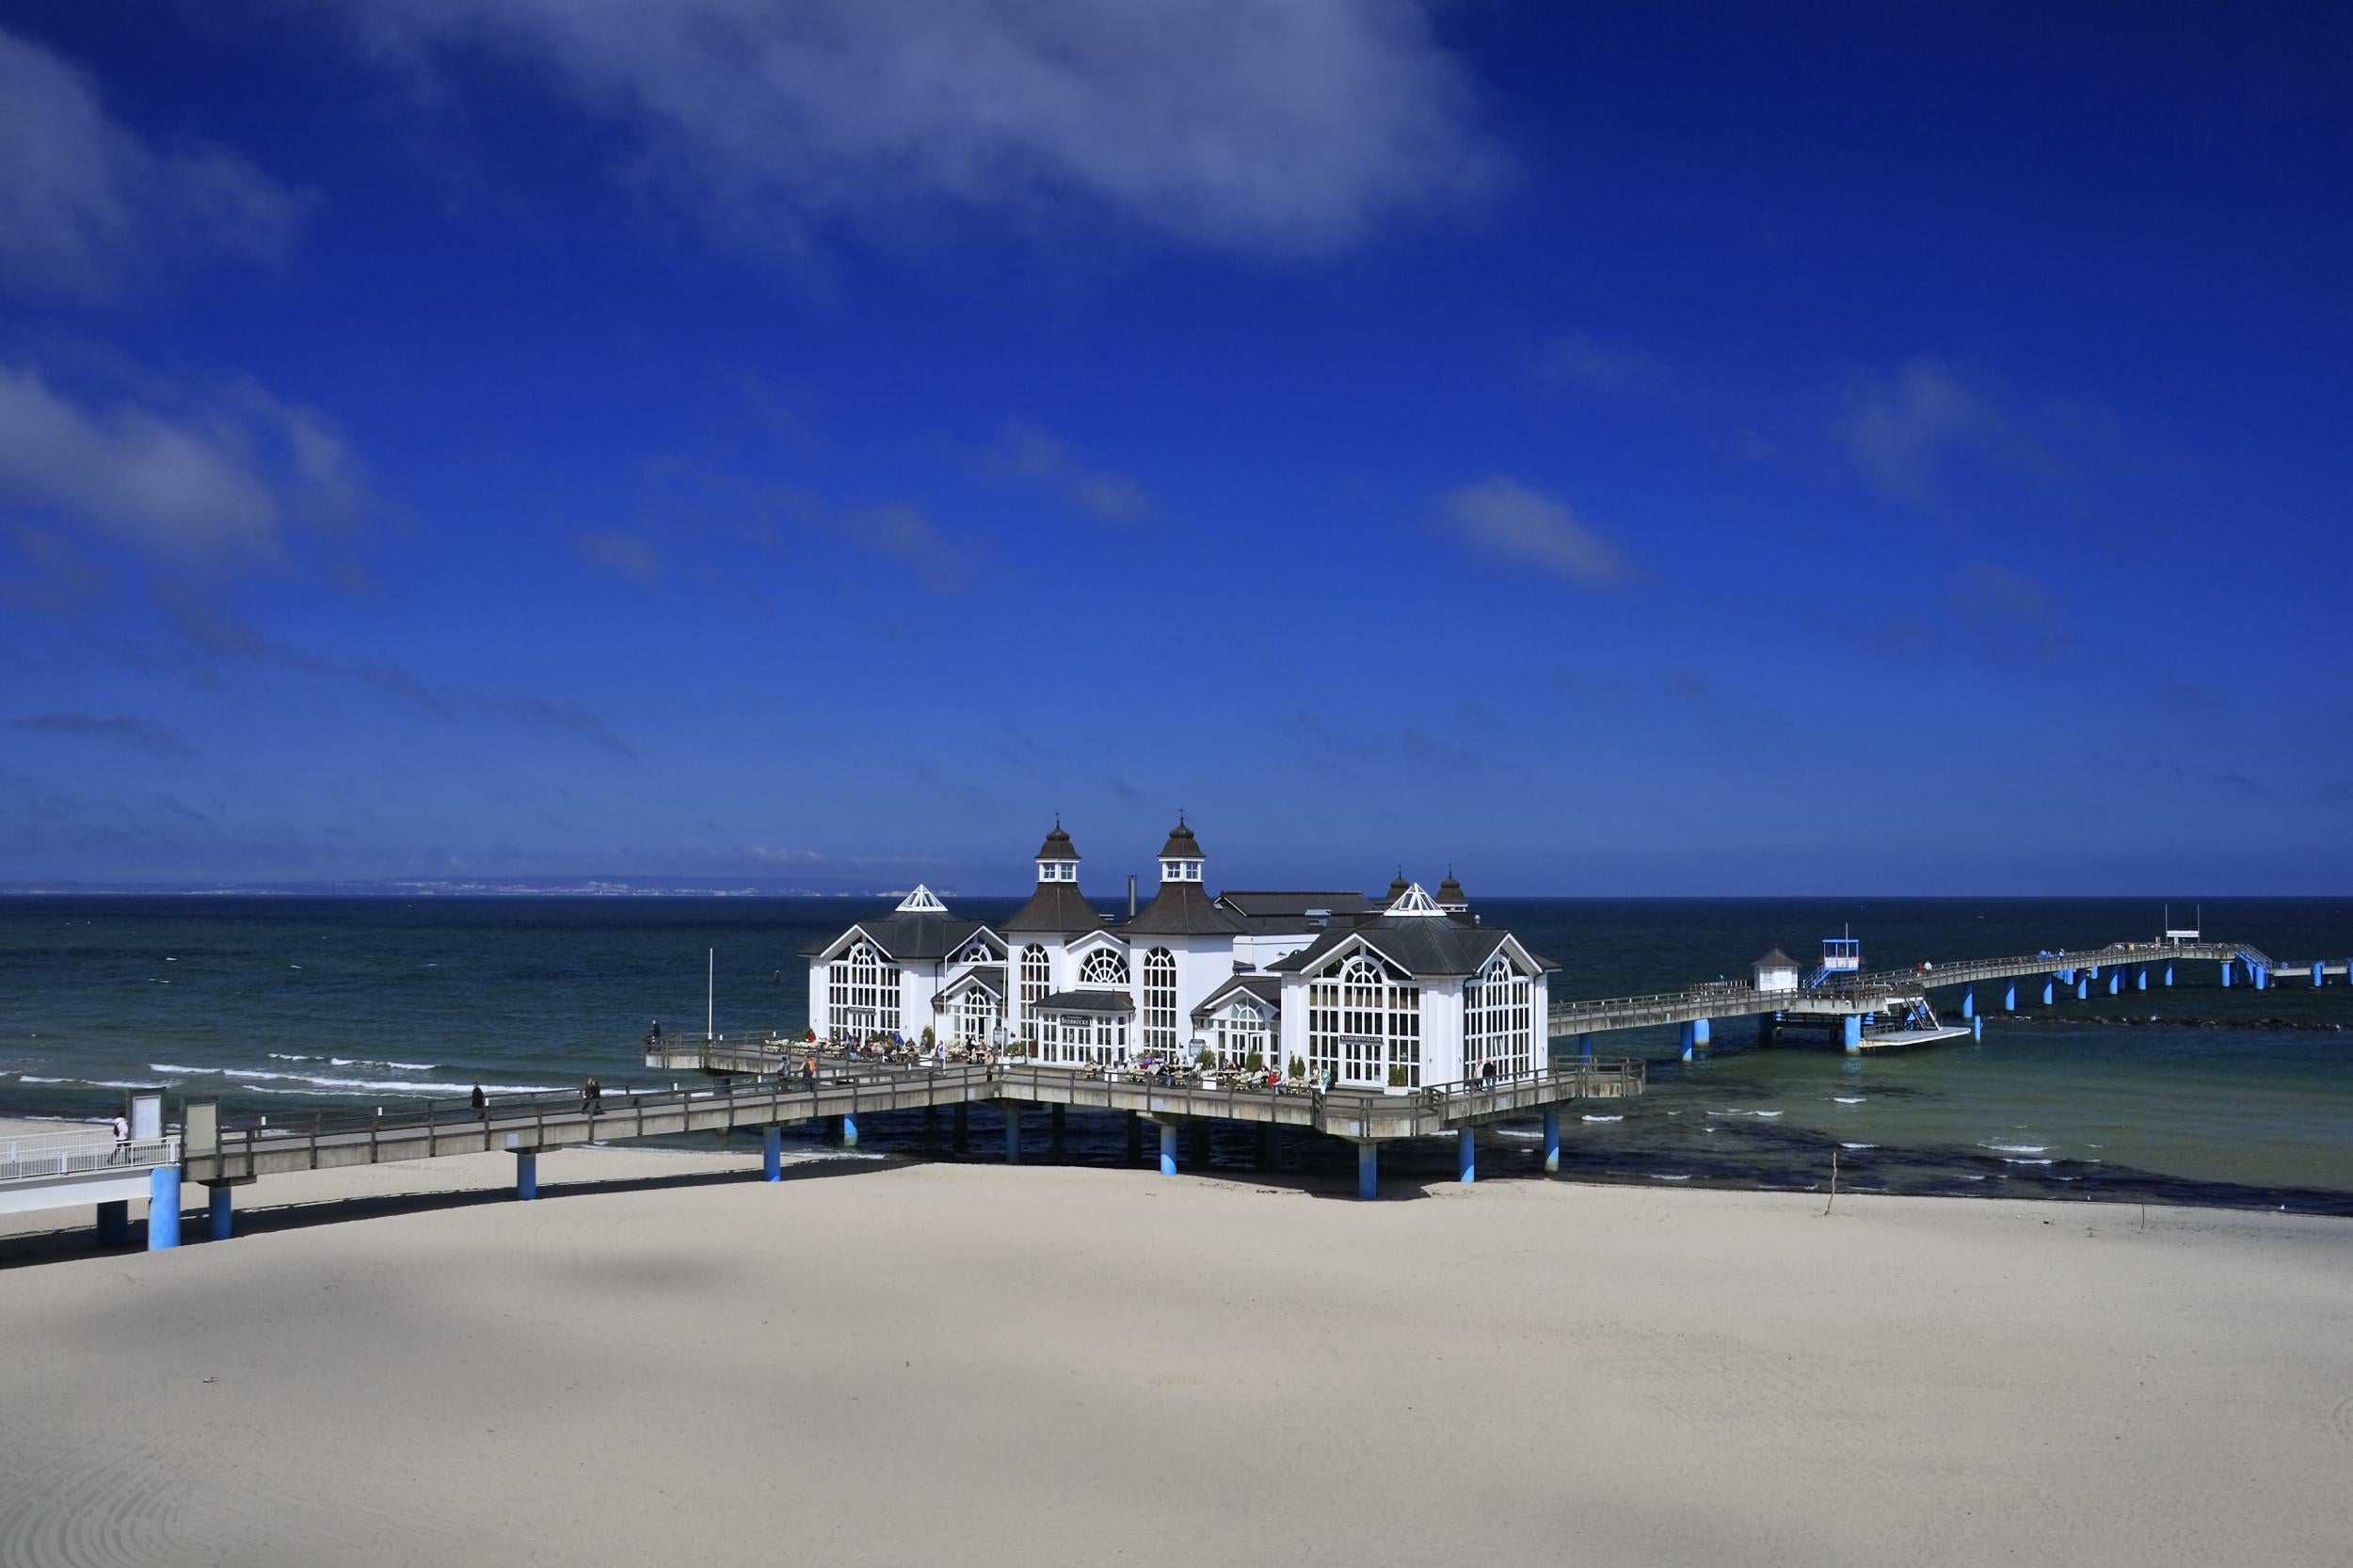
pixel 1408 990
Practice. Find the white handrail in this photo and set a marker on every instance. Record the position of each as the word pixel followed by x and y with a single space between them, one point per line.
pixel 19 1163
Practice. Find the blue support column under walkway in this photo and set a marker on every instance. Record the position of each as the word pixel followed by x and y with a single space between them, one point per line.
pixel 1584 1048
pixel 2009 998
pixel 1013 1133
pixel 1694 1037
pixel 2083 988
pixel 849 1132
pixel 2115 981
pixel 526 1177
pixel 1467 1154
pixel 1168 1148
pixel 1968 1001
pixel 2168 973
pixel 113 1223
pixel 2141 978
pixel 1552 1142
pixel 219 1212
pixel 2226 974
pixel 163 1208
pixel 1977 1027
pixel 2319 974
pixel 1850 1028
pixel 771 1154
pixel 1368 1170
pixel 2047 993
pixel 2263 977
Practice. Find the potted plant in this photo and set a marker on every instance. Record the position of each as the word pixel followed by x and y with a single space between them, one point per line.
pixel 1299 1069
pixel 1255 1064
pixel 1207 1062
pixel 1397 1081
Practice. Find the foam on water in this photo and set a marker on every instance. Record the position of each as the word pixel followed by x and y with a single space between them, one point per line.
pixel 1858 1146
pixel 1849 1099
pixel 2016 1148
pixel 1605 1118
pixel 1656 1175
pixel 2012 1159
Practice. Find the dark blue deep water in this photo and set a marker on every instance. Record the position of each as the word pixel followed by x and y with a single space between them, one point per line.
pixel 2196 1095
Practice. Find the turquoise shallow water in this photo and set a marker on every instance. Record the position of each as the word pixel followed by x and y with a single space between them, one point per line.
pixel 283 1004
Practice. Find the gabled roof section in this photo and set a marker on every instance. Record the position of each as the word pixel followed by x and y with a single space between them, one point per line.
pixel 906 938
pixel 989 977
pixel 1775 960
pixel 1249 903
pixel 1182 909
pixel 1087 1002
pixel 1056 908
pixel 1424 948
pixel 1267 988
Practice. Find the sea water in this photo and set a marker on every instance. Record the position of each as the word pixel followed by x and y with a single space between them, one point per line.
pixel 2193 1094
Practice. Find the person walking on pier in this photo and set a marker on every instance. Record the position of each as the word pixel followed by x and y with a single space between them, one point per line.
pixel 590 1095
pixel 122 1141
pixel 655 1034
pixel 809 1071
pixel 481 1102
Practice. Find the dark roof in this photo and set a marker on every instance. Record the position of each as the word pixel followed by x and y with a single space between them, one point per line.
pixel 1056 847
pixel 1055 907
pixel 910 938
pixel 1181 844
pixel 1775 960
pixel 1268 989
pixel 1248 903
pixel 1086 1001
pixel 1450 891
pixel 1425 946
pixel 1182 909
pixel 1397 888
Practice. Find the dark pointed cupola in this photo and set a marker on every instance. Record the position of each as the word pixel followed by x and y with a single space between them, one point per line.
pixel 1056 905
pixel 1450 895
pixel 1182 907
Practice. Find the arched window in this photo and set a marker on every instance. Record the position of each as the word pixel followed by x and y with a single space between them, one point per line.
pixel 1364 1018
pixel 862 992
pixel 1500 1020
pixel 1241 1027
pixel 1159 999
pixel 1037 978
pixel 976 1017
pixel 1104 967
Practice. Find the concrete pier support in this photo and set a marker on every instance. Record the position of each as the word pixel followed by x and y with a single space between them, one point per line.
pixel 771 1154
pixel 163 1208
pixel 219 1213
pixel 113 1223
pixel 2083 988
pixel 2226 974
pixel 1694 1037
pixel 849 1132
pixel 2009 997
pixel 1850 1028
pixel 2169 973
pixel 1969 1001
pixel 1013 1133
pixel 1135 1139
pixel 1584 1048
pixel 2115 981
pixel 1367 1170
pixel 2263 977
pixel 2319 974
pixel 1552 1142
pixel 526 1177
pixel 2047 993
pixel 1977 1027
pixel 1467 1154
pixel 960 1129
pixel 2141 978
pixel 1168 1148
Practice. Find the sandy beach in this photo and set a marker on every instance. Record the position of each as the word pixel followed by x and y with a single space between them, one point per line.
pixel 883 1363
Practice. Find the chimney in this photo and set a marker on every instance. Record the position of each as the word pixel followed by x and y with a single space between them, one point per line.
pixel 1131 895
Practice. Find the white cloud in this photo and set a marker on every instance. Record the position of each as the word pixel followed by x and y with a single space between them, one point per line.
pixel 1267 127
pixel 1033 457
pixel 218 475
pixel 1903 430
pixel 1506 517
pixel 83 200
pixel 1605 370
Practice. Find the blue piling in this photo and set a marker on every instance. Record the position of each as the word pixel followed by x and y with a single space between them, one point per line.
pixel 219 1212
pixel 1977 1027
pixel 113 1223
pixel 1467 1154
pixel 2083 988
pixel 771 1154
pixel 1168 1148
pixel 1689 1040
pixel 2226 974
pixel 2047 993
pixel 849 1132
pixel 2141 978
pixel 2009 998
pixel 1584 1048
pixel 1552 1142
pixel 1969 1001
pixel 526 1177
pixel 1851 1027
pixel 2169 973
pixel 1368 1170
pixel 163 1208
pixel 1013 1133
pixel 2263 977
pixel 2115 981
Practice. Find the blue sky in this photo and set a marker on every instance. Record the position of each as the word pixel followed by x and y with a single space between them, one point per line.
pixel 1623 449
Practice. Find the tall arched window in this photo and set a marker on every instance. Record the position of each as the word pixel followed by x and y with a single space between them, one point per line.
pixel 1159 999
pixel 1362 1019
pixel 1500 1020
pixel 976 1017
pixel 1241 1027
pixel 1104 966
pixel 862 992
pixel 1037 978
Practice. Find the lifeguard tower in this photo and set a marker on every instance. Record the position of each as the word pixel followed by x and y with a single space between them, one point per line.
pixel 1842 956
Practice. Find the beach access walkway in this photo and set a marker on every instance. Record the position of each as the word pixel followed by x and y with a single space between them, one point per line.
pixel 86 1165
pixel 223 1155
